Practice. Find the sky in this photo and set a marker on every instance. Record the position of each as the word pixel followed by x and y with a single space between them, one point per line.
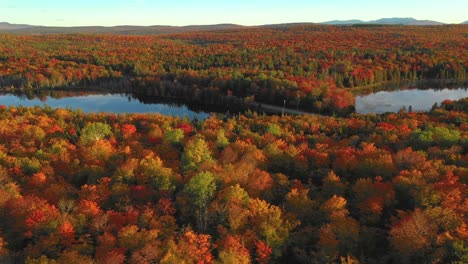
pixel 203 12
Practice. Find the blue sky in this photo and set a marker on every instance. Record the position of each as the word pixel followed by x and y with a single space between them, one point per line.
pixel 245 12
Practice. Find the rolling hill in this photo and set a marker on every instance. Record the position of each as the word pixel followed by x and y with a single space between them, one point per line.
pixel 124 30
pixel 386 21
pixel 163 29
pixel 8 26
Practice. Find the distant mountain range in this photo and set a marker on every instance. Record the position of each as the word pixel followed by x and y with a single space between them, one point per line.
pixel 140 30
pixel 8 26
pixel 143 30
pixel 386 21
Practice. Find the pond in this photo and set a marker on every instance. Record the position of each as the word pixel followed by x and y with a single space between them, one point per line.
pixel 417 99
pixel 89 101
pixel 104 102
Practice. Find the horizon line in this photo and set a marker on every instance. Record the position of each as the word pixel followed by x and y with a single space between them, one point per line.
pixel 227 23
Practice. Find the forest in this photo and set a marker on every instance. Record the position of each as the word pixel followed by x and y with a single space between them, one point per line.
pixel 314 68
pixel 243 187
pixel 148 188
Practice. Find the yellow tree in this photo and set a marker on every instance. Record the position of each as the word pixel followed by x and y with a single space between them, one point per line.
pixel 201 188
pixel 195 153
pixel 268 222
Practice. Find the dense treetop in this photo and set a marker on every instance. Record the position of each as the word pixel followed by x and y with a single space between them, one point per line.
pixel 249 188
pixel 308 65
pixel 87 188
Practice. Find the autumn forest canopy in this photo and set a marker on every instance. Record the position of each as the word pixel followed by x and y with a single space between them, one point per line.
pixel 311 67
pixel 152 188
pixel 235 188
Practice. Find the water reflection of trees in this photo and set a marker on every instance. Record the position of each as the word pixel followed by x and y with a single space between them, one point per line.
pixel 43 95
pixel 436 85
pixel 203 100
pixel 147 97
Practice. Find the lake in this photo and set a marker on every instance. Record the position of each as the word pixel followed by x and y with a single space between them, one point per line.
pixel 393 101
pixel 94 103
pixel 378 102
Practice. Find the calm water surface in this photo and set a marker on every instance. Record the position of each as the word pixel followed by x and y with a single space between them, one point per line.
pixel 379 102
pixel 393 101
pixel 111 103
